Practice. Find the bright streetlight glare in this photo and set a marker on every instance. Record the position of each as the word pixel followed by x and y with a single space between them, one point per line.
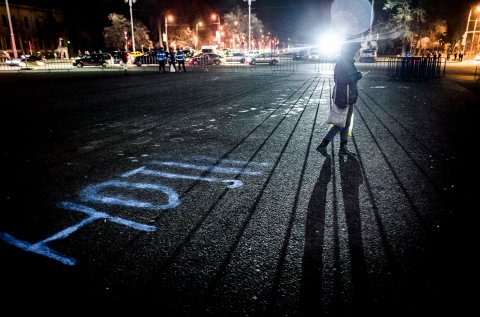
pixel 330 43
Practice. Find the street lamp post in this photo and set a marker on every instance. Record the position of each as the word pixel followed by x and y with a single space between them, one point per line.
pixel 126 41
pixel 130 2
pixel 217 33
pixel 196 33
pixel 167 17
pixel 235 23
pixel 249 23
pixel 12 36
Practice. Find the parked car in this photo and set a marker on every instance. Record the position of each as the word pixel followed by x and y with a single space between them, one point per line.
pixel 15 62
pixel 299 55
pixel 147 58
pixel 208 49
pixel 251 53
pixel 206 59
pixel 264 58
pixel 32 58
pixel 117 57
pixel 95 59
pixel 368 55
pixel 315 54
pixel 23 60
pixel 235 58
pixel 189 53
pixel 134 54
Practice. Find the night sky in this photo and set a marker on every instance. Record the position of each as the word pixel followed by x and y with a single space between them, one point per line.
pixel 301 20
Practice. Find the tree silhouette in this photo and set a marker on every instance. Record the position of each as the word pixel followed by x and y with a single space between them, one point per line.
pixel 405 20
pixel 114 35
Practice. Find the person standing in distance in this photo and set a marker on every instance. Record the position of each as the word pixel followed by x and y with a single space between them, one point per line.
pixel 171 60
pixel 161 58
pixel 124 60
pixel 181 60
pixel 345 76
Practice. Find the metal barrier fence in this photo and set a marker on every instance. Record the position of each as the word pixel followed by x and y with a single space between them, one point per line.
pixel 149 63
pixel 416 67
pixel 327 66
pixel 405 68
pixel 45 65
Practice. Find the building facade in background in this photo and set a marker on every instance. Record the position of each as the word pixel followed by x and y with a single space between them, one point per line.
pixel 471 37
pixel 36 29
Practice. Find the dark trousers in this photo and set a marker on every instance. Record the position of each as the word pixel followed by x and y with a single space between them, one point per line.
pixel 161 66
pixel 180 64
pixel 343 131
pixel 172 63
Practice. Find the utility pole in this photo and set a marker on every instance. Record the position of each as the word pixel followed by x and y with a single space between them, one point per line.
pixel 167 48
pixel 130 2
pixel 249 23
pixel 160 39
pixel 371 20
pixel 12 37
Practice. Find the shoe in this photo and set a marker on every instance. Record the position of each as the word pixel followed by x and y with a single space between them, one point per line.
pixel 322 148
pixel 345 151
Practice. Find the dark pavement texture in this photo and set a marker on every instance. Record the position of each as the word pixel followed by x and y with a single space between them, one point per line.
pixel 389 232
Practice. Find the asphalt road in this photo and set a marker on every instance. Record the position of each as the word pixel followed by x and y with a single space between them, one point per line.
pixel 202 194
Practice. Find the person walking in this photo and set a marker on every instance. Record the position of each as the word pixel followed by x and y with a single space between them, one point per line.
pixel 345 75
pixel 124 60
pixel 181 60
pixel 161 59
pixel 171 59
pixel 205 61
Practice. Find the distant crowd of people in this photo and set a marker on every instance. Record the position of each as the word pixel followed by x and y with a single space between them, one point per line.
pixel 437 55
pixel 455 55
pixel 171 57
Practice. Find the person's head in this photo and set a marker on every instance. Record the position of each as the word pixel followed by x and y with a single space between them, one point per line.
pixel 349 49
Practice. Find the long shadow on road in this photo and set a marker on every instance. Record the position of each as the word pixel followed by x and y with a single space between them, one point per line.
pixel 311 283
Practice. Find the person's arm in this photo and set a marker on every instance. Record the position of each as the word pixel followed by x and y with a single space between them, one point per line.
pixel 346 74
pixel 354 77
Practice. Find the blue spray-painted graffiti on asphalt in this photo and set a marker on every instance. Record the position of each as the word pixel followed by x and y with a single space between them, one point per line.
pixel 100 193
pixel 233 183
pixel 214 169
pixel 93 194
pixel 41 248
